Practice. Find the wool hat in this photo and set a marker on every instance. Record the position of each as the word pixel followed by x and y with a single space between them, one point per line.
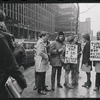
pixel 60 33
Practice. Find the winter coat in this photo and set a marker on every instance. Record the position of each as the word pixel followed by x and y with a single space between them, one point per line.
pixel 41 62
pixel 8 36
pixel 8 66
pixel 20 55
pixel 86 54
pixel 55 59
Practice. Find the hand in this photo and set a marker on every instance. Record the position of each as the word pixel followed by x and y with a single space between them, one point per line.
pixel 86 64
pixel 60 50
pixel 22 68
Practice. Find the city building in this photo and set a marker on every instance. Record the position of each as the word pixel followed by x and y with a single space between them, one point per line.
pixel 66 18
pixel 27 20
pixel 85 27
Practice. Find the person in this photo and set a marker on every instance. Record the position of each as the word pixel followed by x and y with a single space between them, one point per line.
pixel 8 65
pixel 75 72
pixel 68 66
pixel 97 69
pixel 20 55
pixel 86 59
pixel 55 61
pixel 41 63
pixel 47 46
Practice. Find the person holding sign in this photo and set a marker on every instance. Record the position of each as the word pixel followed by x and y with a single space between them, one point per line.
pixel 97 69
pixel 86 63
pixel 55 61
pixel 75 73
pixel 67 62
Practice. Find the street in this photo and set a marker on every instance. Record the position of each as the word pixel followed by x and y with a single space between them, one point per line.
pixel 77 92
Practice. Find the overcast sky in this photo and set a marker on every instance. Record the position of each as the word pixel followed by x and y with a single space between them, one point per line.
pixel 93 13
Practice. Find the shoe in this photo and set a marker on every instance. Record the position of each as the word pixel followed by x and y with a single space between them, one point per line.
pixel 87 84
pixel 96 89
pixel 53 88
pixel 42 92
pixel 35 87
pixel 47 89
pixel 59 86
pixel 69 86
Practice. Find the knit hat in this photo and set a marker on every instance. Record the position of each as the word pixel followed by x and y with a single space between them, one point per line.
pixel 60 33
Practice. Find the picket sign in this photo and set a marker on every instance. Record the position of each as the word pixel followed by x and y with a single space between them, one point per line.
pixel 71 53
pixel 95 51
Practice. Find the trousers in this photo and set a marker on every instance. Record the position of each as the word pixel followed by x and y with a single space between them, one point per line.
pixel 41 80
pixel 54 69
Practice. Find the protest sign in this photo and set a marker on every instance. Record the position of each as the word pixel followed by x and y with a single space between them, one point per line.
pixel 95 51
pixel 71 54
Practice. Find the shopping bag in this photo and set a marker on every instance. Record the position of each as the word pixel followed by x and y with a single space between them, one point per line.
pixel 13 88
pixel 86 68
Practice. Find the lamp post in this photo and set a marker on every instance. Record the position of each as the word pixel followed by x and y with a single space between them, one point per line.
pixel 77 18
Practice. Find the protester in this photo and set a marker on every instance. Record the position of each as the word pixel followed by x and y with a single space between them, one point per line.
pixel 8 65
pixel 68 66
pixel 55 61
pixel 75 72
pixel 20 55
pixel 97 69
pixel 47 46
pixel 86 59
pixel 41 63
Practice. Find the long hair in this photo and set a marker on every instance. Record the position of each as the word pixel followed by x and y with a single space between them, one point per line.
pixel 57 39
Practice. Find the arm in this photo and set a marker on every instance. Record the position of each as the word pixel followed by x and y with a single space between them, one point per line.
pixel 53 49
pixel 23 57
pixel 41 52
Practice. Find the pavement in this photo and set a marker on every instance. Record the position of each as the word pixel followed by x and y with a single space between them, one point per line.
pixel 77 92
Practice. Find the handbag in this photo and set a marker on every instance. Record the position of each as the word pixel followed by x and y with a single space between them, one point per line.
pixel 13 88
pixel 86 68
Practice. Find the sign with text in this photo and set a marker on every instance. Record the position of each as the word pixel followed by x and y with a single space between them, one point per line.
pixel 71 54
pixel 95 51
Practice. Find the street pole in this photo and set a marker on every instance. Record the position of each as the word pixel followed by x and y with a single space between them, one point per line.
pixel 77 19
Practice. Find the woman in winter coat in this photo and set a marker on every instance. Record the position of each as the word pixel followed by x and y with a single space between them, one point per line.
pixel 86 59
pixel 41 64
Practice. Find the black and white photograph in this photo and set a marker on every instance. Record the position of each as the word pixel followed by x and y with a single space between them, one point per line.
pixel 49 50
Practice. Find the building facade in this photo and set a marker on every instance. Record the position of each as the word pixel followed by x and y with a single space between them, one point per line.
pixel 27 20
pixel 66 18
pixel 85 27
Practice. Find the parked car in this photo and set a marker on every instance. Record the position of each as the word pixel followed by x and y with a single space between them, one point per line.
pixel 30 51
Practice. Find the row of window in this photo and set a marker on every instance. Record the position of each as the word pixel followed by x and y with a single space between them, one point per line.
pixel 15 11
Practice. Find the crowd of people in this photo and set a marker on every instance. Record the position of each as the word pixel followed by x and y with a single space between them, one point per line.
pixel 13 59
pixel 55 56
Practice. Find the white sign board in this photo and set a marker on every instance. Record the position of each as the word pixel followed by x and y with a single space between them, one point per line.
pixel 71 54
pixel 95 51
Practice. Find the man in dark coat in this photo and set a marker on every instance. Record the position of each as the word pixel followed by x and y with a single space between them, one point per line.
pixel 55 60
pixel 8 65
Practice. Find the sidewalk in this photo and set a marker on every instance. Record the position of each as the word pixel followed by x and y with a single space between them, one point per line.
pixel 78 92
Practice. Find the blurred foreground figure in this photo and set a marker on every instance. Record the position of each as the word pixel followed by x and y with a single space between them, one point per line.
pixel 8 65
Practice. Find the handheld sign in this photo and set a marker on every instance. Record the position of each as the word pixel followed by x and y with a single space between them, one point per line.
pixel 71 54
pixel 95 51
